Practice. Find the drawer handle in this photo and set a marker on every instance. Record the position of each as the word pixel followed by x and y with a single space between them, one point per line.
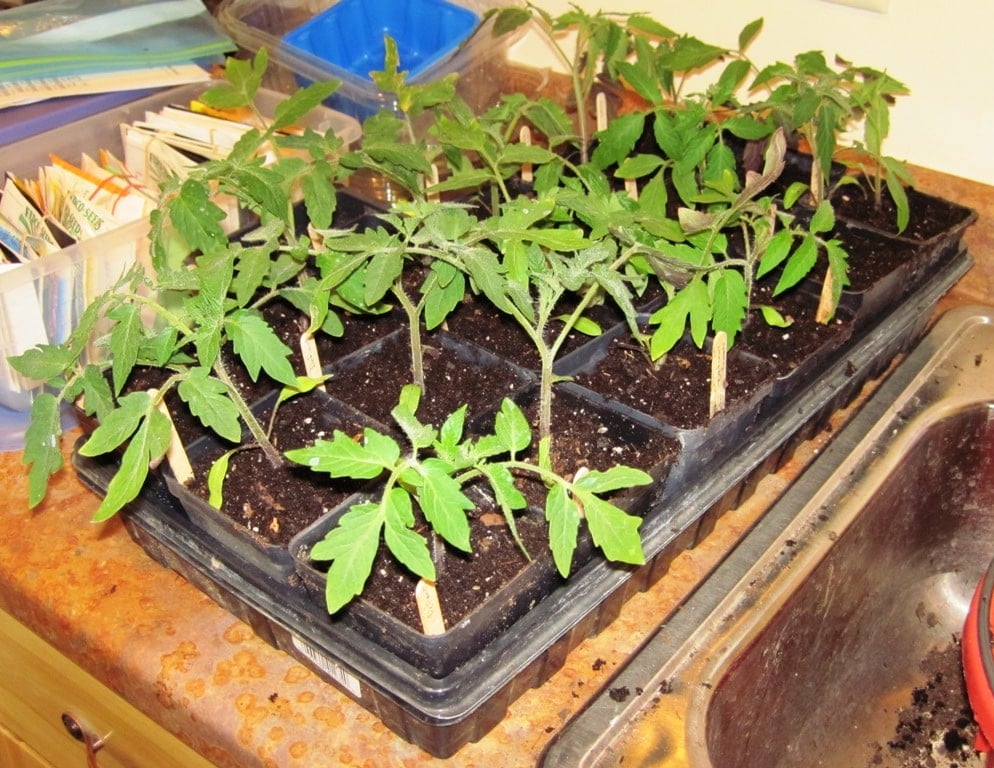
pixel 92 742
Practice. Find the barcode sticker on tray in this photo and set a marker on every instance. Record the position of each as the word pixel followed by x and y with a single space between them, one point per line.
pixel 335 671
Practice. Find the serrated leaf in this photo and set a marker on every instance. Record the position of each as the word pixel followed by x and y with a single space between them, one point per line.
pixel 690 304
pixel 319 195
pixel 563 516
pixel 441 299
pixel 616 143
pixel 800 263
pixel 210 402
pixel 43 362
pixel 730 301
pixel 613 530
pixel 302 102
pixel 407 546
pixel 511 427
pixel 776 251
pixel 197 218
pixel 351 547
pixel 42 451
pixel 444 504
pixel 613 479
pixel 119 425
pixel 506 493
pixel 258 347
pixel 147 444
pixel 823 219
pixel 125 341
pixel 344 457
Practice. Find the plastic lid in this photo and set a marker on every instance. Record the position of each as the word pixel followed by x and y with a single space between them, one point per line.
pixel 350 33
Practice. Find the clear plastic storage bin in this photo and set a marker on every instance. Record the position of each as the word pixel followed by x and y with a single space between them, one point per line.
pixel 41 302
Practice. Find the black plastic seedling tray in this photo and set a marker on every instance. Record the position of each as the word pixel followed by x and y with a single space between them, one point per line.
pixel 442 713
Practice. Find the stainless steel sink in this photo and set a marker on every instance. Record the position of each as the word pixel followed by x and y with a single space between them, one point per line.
pixel 800 648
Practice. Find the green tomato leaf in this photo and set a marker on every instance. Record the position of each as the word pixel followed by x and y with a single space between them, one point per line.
pixel 444 504
pixel 730 299
pixel 800 263
pixel 563 516
pixel 197 218
pixel 501 481
pixel 344 457
pixel 409 547
pixel 613 530
pixel 44 362
pixel 511 427
pixel 351 547
pixel 42 445
pixel 258 347
pixel 773 317
pixel 210 402
pixel 147 444
pixel 215 479
pixel 613 479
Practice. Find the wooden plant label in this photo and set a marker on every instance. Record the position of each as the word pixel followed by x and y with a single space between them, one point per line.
pixel 429 609
pixel 719 371
pixel 527 172
pixel 824 312
pixel 600 104
pixel 312 361
pixel 179 462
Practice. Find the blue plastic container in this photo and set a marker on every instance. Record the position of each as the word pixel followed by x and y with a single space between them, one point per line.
pixel 350 34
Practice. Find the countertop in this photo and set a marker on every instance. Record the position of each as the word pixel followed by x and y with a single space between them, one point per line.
pixel 174 654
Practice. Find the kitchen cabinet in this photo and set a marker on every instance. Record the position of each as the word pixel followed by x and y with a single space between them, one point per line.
pixel 52 712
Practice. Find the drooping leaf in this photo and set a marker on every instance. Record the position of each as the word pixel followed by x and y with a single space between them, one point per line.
pixel 148 444
pixel 563 517
pixel 125 341
pixel 408 546
pixel 612 529
pixel 42 450
pixel 351 547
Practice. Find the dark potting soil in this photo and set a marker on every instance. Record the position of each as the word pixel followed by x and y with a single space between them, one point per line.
pixel 676 389
pixel 463 580
pixel 786 348
pixel 274 503
pixel 929 215
pixel 373 383
pixel 936 728
pixel 486 326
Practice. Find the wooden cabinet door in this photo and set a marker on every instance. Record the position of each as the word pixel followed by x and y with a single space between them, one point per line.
pixel 38 685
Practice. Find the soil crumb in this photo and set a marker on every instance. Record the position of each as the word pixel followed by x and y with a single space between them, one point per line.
pixel 936 729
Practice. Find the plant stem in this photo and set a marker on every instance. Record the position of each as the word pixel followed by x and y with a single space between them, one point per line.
pixel 254 427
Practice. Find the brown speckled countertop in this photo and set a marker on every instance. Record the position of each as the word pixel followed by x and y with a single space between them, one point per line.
pixel 173 653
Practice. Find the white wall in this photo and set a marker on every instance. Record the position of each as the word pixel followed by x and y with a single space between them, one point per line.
pixel 943 50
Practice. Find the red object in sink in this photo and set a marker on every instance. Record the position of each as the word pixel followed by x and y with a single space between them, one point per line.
pixel 978 664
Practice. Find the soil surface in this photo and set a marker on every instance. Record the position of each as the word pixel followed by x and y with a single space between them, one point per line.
pixel 464 580
pixel 275 502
